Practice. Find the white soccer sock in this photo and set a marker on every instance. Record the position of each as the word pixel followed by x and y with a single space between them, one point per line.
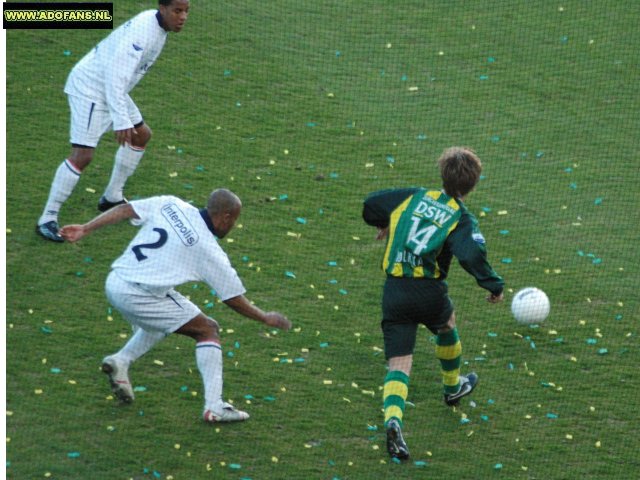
pixel 64 181
pixel 140 343
pixel 209 361
pixel 127 160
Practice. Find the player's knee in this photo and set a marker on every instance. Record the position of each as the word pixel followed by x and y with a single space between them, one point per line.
pixel 142 136
pixel 212 328
pixel 80 158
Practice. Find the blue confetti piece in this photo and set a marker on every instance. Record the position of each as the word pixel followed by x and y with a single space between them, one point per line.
pixel 564 39
pixel 157 474
pixel 568 170
pixel 227 73
pixel 498 466
pixel 491 60
pixel 421 136
pixel 485 417
pixel 420 463
pixel 290 274
pixel 324 344
pixel 140 389
pixel 73 454
pixel 235 466
pixel 333 175
pixel 552 416
pixel 464 421
pixel 372 428
pixel 269 398
pixel 55 370
pixel 46 330
pixel 573 186
pixel 495 139
pixel 283 197
pixel 533 345
pixel 209 305
pixel 333 281
pixel 597 261
pixel 299 360
pixel 342 291
pixel 312 124
pixel 486 209
pixel 619 316
pixel 199 168
pixel 510 366
pixel 245 259
pixel 67 53
pixel 236 345
pixel 603 351
pixel 491 401
pixel 580 253
pixel 301 220
pixel 338 53
pixel 506 260
pixel 390 159
pixel 184 388
pixel 504 232
pixel 248 397
pixel 332 263
pixel 598 201
pixel 484 77
pixel 404 78
pixel 397 461
pixel 539 154
pixel 230 354
pixel 492 334
pixel 591 341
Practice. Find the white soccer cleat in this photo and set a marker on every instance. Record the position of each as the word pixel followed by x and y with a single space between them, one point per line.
pixel 228 413
pixel 118 373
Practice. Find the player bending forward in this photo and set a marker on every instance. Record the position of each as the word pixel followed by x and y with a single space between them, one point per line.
pixel 425 228
pixel 177 243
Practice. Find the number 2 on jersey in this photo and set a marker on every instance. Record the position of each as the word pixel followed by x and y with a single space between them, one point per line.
pixel 161 241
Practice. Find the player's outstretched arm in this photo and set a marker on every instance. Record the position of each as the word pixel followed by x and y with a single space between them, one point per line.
pixel 241 305
pixel 73 233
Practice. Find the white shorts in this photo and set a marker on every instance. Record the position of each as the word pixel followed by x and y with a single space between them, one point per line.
pixel 90 119
pixel 147 311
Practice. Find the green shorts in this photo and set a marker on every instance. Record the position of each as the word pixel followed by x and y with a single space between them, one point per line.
pixel 408 302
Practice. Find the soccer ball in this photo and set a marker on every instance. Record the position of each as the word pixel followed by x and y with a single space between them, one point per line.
pixel 530 305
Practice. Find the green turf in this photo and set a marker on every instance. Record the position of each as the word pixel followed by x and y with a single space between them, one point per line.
pixel 302 108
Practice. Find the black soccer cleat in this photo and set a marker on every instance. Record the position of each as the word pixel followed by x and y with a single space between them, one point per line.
pixel 49 231
pixel 104 204
pixel 396 446
pixel 467 384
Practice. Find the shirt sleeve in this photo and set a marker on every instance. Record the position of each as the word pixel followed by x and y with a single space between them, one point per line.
pixel 379 205
pixel 468 246
pixel 222 277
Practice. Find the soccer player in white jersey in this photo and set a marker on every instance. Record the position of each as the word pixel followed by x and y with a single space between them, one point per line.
pixel 98 92
pixel 177 243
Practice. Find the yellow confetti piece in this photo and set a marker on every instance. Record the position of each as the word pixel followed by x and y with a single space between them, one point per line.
pixel 38 391
pixel 483 214
pixel 90 190
pixel 173 174
pixel 229 330
pixel 9 230
pixel 72 382
pixel 307 445
pixel 223 464
pixel 369 165
pixel 502 212
pixel 320 297
pixel 592 409
pixel 470 433
pixel 375 447
pixel 346 399
pixel 350 464
pixel 327 382
pixel 553 332
pixel 369 392
pixel 598 444
pixel 354 385
pixel 413 89
pixel 528 417
pixel 568 436
pixel 209 467
pixel 274 459
pixel 177 446
pixel 293 234
pixel 524 468
pixel 111 428
pixel 230 240
pixel 159 362
pixel 47 474
pixel 123 335
pixel 109 318
pixel 573 359
pixel 44 361
pixel 336 307
pixel 9 413
pixel 285 151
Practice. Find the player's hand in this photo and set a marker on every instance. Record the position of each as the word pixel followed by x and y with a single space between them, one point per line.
pixel 72 233
pixel 491 298
pixel 382 233
pixel 124 136
pixel 275 319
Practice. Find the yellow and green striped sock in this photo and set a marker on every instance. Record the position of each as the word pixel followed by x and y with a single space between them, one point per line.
pixel 396 387
pixel 449 352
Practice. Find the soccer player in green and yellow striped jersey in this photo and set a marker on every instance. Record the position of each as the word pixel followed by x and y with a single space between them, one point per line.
pixel 425 229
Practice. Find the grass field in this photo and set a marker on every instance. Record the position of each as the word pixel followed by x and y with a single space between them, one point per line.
pixel 302 108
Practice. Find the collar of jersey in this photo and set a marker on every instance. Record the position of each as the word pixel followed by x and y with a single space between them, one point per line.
pixel 159 18
pixel 207 220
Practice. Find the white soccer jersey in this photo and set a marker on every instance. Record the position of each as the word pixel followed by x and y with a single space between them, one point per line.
pixel 175 245
pixel 111 69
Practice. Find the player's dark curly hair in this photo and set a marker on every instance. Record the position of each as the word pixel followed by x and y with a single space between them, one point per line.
pixel 460 169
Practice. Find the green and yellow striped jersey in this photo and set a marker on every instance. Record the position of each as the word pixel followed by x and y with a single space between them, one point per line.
pixel 426 228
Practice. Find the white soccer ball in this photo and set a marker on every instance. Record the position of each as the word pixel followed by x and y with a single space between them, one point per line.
pixel 530 305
